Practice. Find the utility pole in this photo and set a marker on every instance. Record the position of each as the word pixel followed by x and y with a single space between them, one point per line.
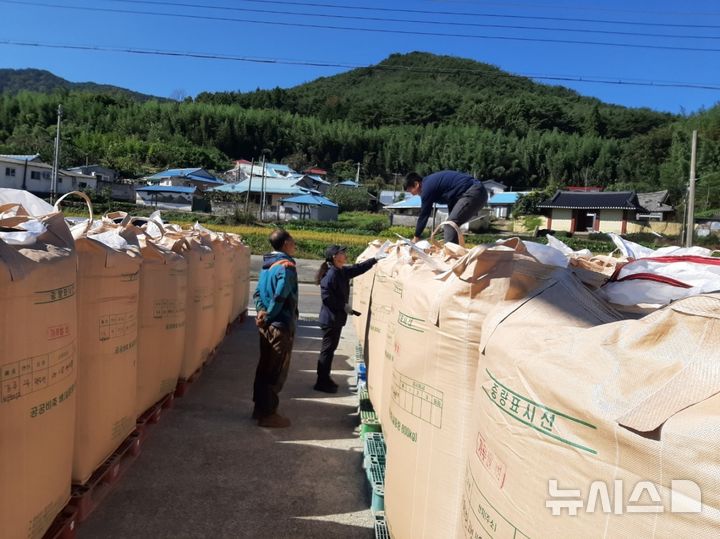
pixel 248 192
pixel 357 174
pixel 691 193
pixel 262 189
pixel 56 158
pixel 395 177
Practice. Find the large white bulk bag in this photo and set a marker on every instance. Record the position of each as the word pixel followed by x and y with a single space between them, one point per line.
pixel 435 361
pixel 38 363
pixel 108 286
pixel 161 333
pixel 200 302
pixel 591 429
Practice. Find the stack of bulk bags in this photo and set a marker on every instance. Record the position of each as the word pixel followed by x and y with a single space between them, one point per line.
pixel 384 294
pixel 38 363
pixel 435 363
pixel 223 282
pixel 108 290
pixel 200 300
pixel 161 333
pixel 606 431
pixel 361 290
pixel 241 276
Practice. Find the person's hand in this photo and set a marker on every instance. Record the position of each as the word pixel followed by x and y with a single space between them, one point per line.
pixel 381 254
pixel 260 319
pixel 348 309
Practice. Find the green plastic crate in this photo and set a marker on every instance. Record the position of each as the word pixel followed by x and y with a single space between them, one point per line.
pixel 381 529
pixel 374 444
pixel 376 480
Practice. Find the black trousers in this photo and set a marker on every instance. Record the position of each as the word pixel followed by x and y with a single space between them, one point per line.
pixel 272 370
pixel 330 341
pixel 465 209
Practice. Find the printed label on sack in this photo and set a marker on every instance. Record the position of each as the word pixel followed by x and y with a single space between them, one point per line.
pixel 21 378
pixel 54 294
pixel 490 461
pixel 130 277
pixel 165 308
pixel 45 407
pixel 58 332
pixel 539 417
pixel 480 518
pixel 116 325
pixel 418 399
pixel 42 521
pixel 403 428
pixel 411 322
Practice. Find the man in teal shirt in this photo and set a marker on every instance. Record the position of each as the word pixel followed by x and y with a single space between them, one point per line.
pixel 276 301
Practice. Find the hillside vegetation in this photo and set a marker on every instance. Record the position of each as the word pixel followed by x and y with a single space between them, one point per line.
pixel 410 112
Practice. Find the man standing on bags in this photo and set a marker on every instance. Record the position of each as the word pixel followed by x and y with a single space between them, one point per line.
pixel 334 280
pixel 463 194
pixel 276 300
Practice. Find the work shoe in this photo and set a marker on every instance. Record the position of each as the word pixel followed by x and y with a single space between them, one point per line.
pixel 274 421
pixel 326 386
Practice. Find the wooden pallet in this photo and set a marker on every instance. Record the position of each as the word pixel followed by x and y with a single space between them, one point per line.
pixel 153 414
pixel 86 497
pixel 64 526
pixel 184 384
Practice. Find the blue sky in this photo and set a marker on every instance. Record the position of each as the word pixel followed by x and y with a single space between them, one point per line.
pixel 275 30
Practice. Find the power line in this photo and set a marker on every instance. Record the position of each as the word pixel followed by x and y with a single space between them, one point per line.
pixel 475 14
pixel 373 30
pixel 418 21
pixel 310 63
pixel 575 7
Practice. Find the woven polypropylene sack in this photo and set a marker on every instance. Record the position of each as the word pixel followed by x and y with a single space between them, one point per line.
pixel 38 367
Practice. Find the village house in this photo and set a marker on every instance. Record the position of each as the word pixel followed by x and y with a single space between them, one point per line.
pixel 29 173
pixel 598 211
pixel 177 188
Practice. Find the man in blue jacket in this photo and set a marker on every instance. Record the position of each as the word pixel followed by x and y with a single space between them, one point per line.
pixel 276 300
pixel 463 194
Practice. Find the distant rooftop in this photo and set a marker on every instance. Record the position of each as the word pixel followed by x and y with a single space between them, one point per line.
pixel 196 174
pixel 167 189
pixel 609 200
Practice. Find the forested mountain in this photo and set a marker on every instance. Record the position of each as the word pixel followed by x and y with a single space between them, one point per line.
pixel 426 89
pixel 39 80
pixel 494 125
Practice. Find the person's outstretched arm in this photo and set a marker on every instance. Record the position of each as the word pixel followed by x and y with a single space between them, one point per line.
pixel 360 268
pixel 425 211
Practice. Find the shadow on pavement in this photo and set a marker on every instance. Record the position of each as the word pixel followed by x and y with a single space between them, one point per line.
pixel 207 470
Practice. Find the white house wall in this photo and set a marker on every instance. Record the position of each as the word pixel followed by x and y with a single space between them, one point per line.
pixel 561 220
pixel 611 221
pixel 38 178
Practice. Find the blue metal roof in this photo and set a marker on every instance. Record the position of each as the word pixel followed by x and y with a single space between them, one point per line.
pixel 197 174
pixel 504 198
pixel 349 183
pixel 273 186
pixel 167 189
pixel 310 200
pixel 411 202
pixel 21 157
pixel 278 168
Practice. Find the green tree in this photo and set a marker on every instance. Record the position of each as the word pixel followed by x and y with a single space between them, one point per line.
pixel 349 198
